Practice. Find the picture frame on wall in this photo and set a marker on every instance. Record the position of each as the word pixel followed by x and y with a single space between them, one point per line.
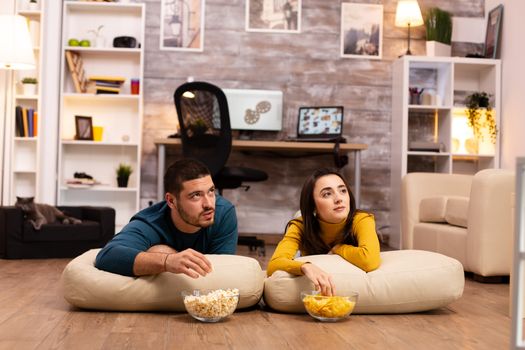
pixel 277 16
pixel 492 34
pixel 361 30
pixel 84 128
pixel 182 25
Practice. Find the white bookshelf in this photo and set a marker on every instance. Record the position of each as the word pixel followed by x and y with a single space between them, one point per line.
pixel 441 120
pixel 21 177
pixel 120 115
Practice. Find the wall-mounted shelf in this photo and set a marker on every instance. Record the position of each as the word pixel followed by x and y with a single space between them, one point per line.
pixel 441 122
pixel 119 115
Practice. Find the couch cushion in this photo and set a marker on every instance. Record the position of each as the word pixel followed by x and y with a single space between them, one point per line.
pixel 56 232
pixel 456 211
pixel 87 287
pixel 445 239
pixel 406 281
pixel 432 209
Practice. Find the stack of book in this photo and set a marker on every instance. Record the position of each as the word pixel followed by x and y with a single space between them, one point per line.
pixel 26 122
pixel 102 84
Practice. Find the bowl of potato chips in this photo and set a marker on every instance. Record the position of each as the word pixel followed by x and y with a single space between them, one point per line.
pixel 329 308
pixel 211 305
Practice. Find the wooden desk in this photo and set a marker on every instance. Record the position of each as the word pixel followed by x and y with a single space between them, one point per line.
pixel 254 145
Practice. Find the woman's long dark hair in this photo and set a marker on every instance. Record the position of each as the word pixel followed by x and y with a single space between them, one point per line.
pixel 311 242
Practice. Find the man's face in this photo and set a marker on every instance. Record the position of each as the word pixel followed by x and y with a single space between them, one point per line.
pixel 195 206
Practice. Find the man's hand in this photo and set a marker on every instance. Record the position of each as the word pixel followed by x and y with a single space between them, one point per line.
pixel 322 281
pixel 188 262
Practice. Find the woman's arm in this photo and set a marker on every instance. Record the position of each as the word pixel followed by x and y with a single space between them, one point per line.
pixel 283 257
pixel 366 254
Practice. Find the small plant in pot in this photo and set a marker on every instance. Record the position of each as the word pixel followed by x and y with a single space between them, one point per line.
pixel 123 173
pixel 100 41
pixel 481 115
pixel 438 24
pixel 29 85
pixel 198 127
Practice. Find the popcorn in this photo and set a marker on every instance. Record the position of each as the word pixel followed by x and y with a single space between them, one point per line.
pixel 216 304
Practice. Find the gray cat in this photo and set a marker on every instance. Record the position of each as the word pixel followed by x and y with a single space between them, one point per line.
pixel 40 214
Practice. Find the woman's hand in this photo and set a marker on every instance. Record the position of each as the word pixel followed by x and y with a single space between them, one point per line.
pixel 322 281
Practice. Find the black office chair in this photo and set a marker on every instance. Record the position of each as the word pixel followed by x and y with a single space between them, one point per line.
pixel 205 132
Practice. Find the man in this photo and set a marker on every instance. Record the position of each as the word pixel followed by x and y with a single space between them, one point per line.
pixel 173 235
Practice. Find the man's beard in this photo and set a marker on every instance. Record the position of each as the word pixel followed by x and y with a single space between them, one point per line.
pixel 194 220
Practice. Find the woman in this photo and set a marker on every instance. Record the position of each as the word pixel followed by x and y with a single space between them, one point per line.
pixel 330 225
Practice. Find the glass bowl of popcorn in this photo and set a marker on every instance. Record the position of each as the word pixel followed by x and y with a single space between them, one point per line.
pixel 211 305
pixel 329 309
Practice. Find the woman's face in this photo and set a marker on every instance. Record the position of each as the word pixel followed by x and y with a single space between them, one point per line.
pixel 332 200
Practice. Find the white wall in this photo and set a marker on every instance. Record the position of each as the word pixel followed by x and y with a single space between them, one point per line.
pixel 513 80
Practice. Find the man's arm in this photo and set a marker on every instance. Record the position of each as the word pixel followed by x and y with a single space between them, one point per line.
pixel 118 256
pixel 165 259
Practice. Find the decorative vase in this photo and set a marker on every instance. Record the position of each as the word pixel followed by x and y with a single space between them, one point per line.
pixel 32 6
pixel 100 41
pixel 29 89
pixel 435 48
pixel 122 181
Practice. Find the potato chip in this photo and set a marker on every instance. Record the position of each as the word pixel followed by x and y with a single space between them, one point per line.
pixel 329 307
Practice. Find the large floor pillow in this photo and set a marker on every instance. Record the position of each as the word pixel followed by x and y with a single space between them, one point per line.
pixel 406 281
pixel 87 287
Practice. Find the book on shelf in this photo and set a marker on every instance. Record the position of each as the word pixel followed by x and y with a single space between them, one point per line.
pixel 30 113
pixel 107 78
pixel 107 90
pixel 26 121
pixel 19 121
pixel 105 84
pixel 35 124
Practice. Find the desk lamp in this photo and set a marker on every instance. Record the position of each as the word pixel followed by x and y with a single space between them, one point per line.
pixel 16 53
pixel 408 15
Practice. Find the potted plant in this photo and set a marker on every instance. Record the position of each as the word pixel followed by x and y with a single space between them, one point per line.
pixel 123 173
pixel 32 5
pixel 29 85
pixel 438 24
pixel 481 116
pixel 100 41
pixel 198 127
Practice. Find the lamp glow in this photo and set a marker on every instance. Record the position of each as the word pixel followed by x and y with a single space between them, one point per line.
pixel 16 49
pixel 408 14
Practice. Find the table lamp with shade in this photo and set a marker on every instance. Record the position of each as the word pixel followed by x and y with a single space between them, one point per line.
pixel 16 53
pixel 408 14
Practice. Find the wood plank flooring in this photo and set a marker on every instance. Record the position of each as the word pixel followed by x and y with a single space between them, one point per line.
pixel 33 315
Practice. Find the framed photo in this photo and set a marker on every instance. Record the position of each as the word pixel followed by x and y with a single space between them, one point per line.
pixel 361 30
pixel 182 25
pixel 84 128
pixel 277 16
pixel 493 32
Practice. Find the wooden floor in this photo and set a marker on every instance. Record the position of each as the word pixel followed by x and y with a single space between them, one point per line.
pixel 33 315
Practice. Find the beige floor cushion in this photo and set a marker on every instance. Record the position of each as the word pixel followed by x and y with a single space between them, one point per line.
pixel 407 281
pixel 87 287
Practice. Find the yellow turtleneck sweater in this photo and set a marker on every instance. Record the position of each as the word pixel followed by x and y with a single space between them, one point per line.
pixel 365 255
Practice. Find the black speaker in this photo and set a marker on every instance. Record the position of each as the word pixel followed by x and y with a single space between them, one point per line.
pixel 125 41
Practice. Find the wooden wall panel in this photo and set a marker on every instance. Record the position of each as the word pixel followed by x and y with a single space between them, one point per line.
pixel 307 67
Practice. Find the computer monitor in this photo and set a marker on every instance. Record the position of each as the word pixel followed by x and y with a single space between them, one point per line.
pixel 255 109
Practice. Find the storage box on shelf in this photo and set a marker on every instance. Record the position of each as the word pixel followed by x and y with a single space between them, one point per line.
pixel 118 115
pixel 429 124
pixel 22 142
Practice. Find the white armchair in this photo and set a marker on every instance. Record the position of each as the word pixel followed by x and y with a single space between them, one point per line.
pixel 467 217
